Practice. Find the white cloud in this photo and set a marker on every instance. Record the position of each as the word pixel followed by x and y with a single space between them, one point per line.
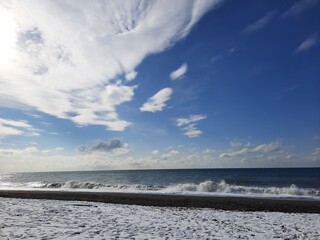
pixel 235 143
pixel 18 152
pixel 158 101
pixel 57 149
pixel 64 62
pixel 208 151
pixel 180 72
pixel 299 7
pixel 9 131
pixel 191 131
pixel 259 23
pixel 188 125
pixel 264 155
pixel 263 148
pixel 190 119
pixel 155 152
pixel 172 153
pixel 14 128
pixel 316 154
pixel 308 43
pixel 131 75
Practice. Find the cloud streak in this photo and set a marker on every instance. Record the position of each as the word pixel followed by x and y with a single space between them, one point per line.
pixel 299 7
pixel 308 43
pixel 18 152
pixel 179 73
pixel 189 125
pixel 14 128
pixel 263 148
pixel 259 23
pixel 157 102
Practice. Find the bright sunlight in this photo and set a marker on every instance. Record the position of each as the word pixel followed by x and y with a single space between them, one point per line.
pixel 7 37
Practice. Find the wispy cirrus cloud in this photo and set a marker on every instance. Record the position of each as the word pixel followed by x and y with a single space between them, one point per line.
pixel 260 23
pixel 189 125
pixel 10 127
pixel 84 82
pixel 299 7
pixel 157 102
pixel 263 148
pixel 308 43
pixel 179 73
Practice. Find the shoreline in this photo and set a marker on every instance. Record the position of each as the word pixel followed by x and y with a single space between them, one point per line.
pixel 162 200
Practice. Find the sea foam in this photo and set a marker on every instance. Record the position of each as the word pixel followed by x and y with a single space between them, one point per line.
pixel 223 187
pixel 210 187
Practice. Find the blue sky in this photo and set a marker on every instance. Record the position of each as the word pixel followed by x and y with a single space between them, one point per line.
pixel 127 85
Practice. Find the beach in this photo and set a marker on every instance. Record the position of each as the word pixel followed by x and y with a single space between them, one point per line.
pixel 161 204
pixel 54 219
pixel 137 119
pixel 173 200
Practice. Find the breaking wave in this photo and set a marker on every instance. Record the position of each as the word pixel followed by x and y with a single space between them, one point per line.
pixel 223 187
pixel 94 185
pixel 206 188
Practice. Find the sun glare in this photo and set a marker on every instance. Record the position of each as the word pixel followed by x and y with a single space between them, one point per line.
pixel 7 37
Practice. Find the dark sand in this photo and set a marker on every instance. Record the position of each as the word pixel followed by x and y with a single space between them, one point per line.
pixel 224 203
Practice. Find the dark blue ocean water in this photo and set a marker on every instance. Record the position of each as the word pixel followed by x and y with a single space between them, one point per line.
pixel 274 182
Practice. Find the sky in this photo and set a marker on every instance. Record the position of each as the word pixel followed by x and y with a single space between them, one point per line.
pixel 159 84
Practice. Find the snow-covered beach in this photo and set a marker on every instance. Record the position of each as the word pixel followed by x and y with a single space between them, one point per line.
pixel 52 219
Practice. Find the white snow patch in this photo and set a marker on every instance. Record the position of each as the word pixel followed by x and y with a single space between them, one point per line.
pixel 51 219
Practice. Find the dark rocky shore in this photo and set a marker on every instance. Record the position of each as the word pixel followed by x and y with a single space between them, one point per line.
pixel 224 203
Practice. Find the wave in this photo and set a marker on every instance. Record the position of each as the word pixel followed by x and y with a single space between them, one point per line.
pixel 223 187
pixel 94 185
pixel 207 188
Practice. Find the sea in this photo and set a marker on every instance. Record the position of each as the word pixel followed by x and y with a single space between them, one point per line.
pixel 266 183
